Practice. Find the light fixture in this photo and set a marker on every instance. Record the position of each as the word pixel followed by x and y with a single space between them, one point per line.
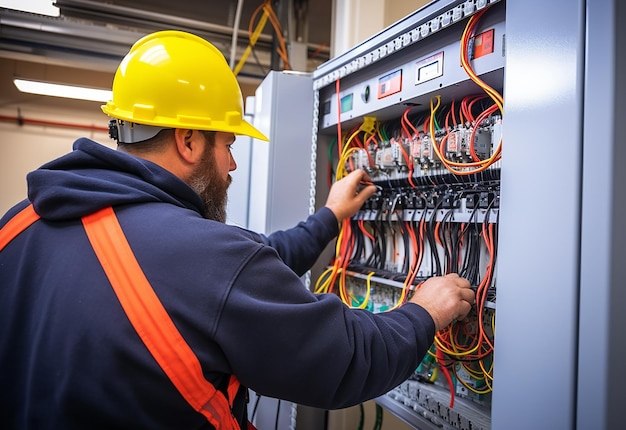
pixel 42 7
pixel 60 90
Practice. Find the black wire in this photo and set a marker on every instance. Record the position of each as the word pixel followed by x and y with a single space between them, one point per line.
pixel 258 62
pixel 495 243
pixel 359 241
pixel 381 243
pixel 382 247
pixel 446 244
pixel 407 246
pixel 455 249
pixel 469 234
pixel 277 415
pixel 430 234
pixel 256 405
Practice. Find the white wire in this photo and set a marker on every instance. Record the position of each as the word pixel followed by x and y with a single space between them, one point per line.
pixel 233 46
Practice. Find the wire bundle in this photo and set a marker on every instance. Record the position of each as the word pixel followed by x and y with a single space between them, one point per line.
pixel 477 165
pixel 468 345
pixel 253 34
pixel 410 232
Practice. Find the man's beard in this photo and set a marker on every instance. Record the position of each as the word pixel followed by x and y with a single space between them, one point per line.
pixel 211 188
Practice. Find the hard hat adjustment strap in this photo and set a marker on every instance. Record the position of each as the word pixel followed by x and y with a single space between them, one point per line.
pixel 131 132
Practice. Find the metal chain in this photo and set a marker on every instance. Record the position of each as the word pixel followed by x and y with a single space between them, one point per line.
pixel 313 173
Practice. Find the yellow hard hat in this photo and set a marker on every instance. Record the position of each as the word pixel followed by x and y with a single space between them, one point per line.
pixel 174 79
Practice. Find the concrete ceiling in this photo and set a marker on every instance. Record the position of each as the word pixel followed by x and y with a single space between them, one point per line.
pixel 86 42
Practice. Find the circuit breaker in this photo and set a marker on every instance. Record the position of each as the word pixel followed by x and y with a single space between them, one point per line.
pixel 420 108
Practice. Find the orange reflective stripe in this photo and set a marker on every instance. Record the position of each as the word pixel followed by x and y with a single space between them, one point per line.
pixel 146 313
pixel 20 222
pixel 233 387
pixel 151 321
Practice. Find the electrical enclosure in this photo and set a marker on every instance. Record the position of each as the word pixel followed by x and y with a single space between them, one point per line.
pixel 419 107
pixel 538 229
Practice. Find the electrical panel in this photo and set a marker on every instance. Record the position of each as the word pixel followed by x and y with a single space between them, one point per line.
pixel 279 169
pixel 419 107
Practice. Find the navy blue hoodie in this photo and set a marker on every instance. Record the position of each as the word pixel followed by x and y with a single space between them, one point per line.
pixel 70 359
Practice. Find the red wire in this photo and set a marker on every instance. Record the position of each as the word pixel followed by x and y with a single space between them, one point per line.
pixel 361 224
pixel 446 373
pixel 453 114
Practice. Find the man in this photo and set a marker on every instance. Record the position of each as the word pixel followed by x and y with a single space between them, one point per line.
pixel 71 352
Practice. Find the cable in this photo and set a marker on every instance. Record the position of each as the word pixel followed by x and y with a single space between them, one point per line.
pixel 379 417
pixel 361 416
pixel 430 167
pixel 256 405
pixel 277 415
pixel 253 37
pixel 233 45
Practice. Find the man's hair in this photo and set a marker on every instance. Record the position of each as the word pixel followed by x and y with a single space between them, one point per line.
pixel 159 141
pixel 209 136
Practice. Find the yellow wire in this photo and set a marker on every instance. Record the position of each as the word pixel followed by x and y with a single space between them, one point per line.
pixel 493 94
pixel 343 161
pixel 482 165
pixel 498 99
pixel 345 297
pixel 441 346
pixel 487 373
pixel 367 293
pixel 433 377
pixel 253 40
pixel 347 144
pixel 473 373
pixel 319 285
pixel 475 390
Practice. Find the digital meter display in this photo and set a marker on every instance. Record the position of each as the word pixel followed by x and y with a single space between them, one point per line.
pixel 346 103
pixel 429 68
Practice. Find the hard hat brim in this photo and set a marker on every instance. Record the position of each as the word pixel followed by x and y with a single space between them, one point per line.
pixel 243 128
pixel 246 129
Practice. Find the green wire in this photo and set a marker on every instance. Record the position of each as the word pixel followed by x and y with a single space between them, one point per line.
pixel 383 134
pixel 330 149
pixel 330 156
pixel 362 418
pixel 379 417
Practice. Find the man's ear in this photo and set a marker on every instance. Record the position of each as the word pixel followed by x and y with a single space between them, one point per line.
pixel 188 145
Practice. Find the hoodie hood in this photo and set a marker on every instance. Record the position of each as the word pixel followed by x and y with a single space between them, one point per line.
pixel 93 176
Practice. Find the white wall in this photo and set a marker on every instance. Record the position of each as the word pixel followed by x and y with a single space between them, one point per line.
pixel 24 148
pixel 354 21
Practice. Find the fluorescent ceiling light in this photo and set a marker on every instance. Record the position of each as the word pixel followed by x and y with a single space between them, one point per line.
pixel 42 7
pixel 66 91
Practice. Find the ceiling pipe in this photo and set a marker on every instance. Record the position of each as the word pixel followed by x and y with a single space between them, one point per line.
pixel 233 44
pixel 20 120
pixel 111 11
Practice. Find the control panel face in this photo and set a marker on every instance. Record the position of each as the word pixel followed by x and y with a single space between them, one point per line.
pixel 422 114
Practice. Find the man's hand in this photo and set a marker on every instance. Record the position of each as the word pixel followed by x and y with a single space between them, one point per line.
pixel 446 298
pixel 347 195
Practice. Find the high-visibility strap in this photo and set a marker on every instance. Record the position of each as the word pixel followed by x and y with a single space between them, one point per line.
pixel 20 222
pixel 146 313
pixel 151 321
